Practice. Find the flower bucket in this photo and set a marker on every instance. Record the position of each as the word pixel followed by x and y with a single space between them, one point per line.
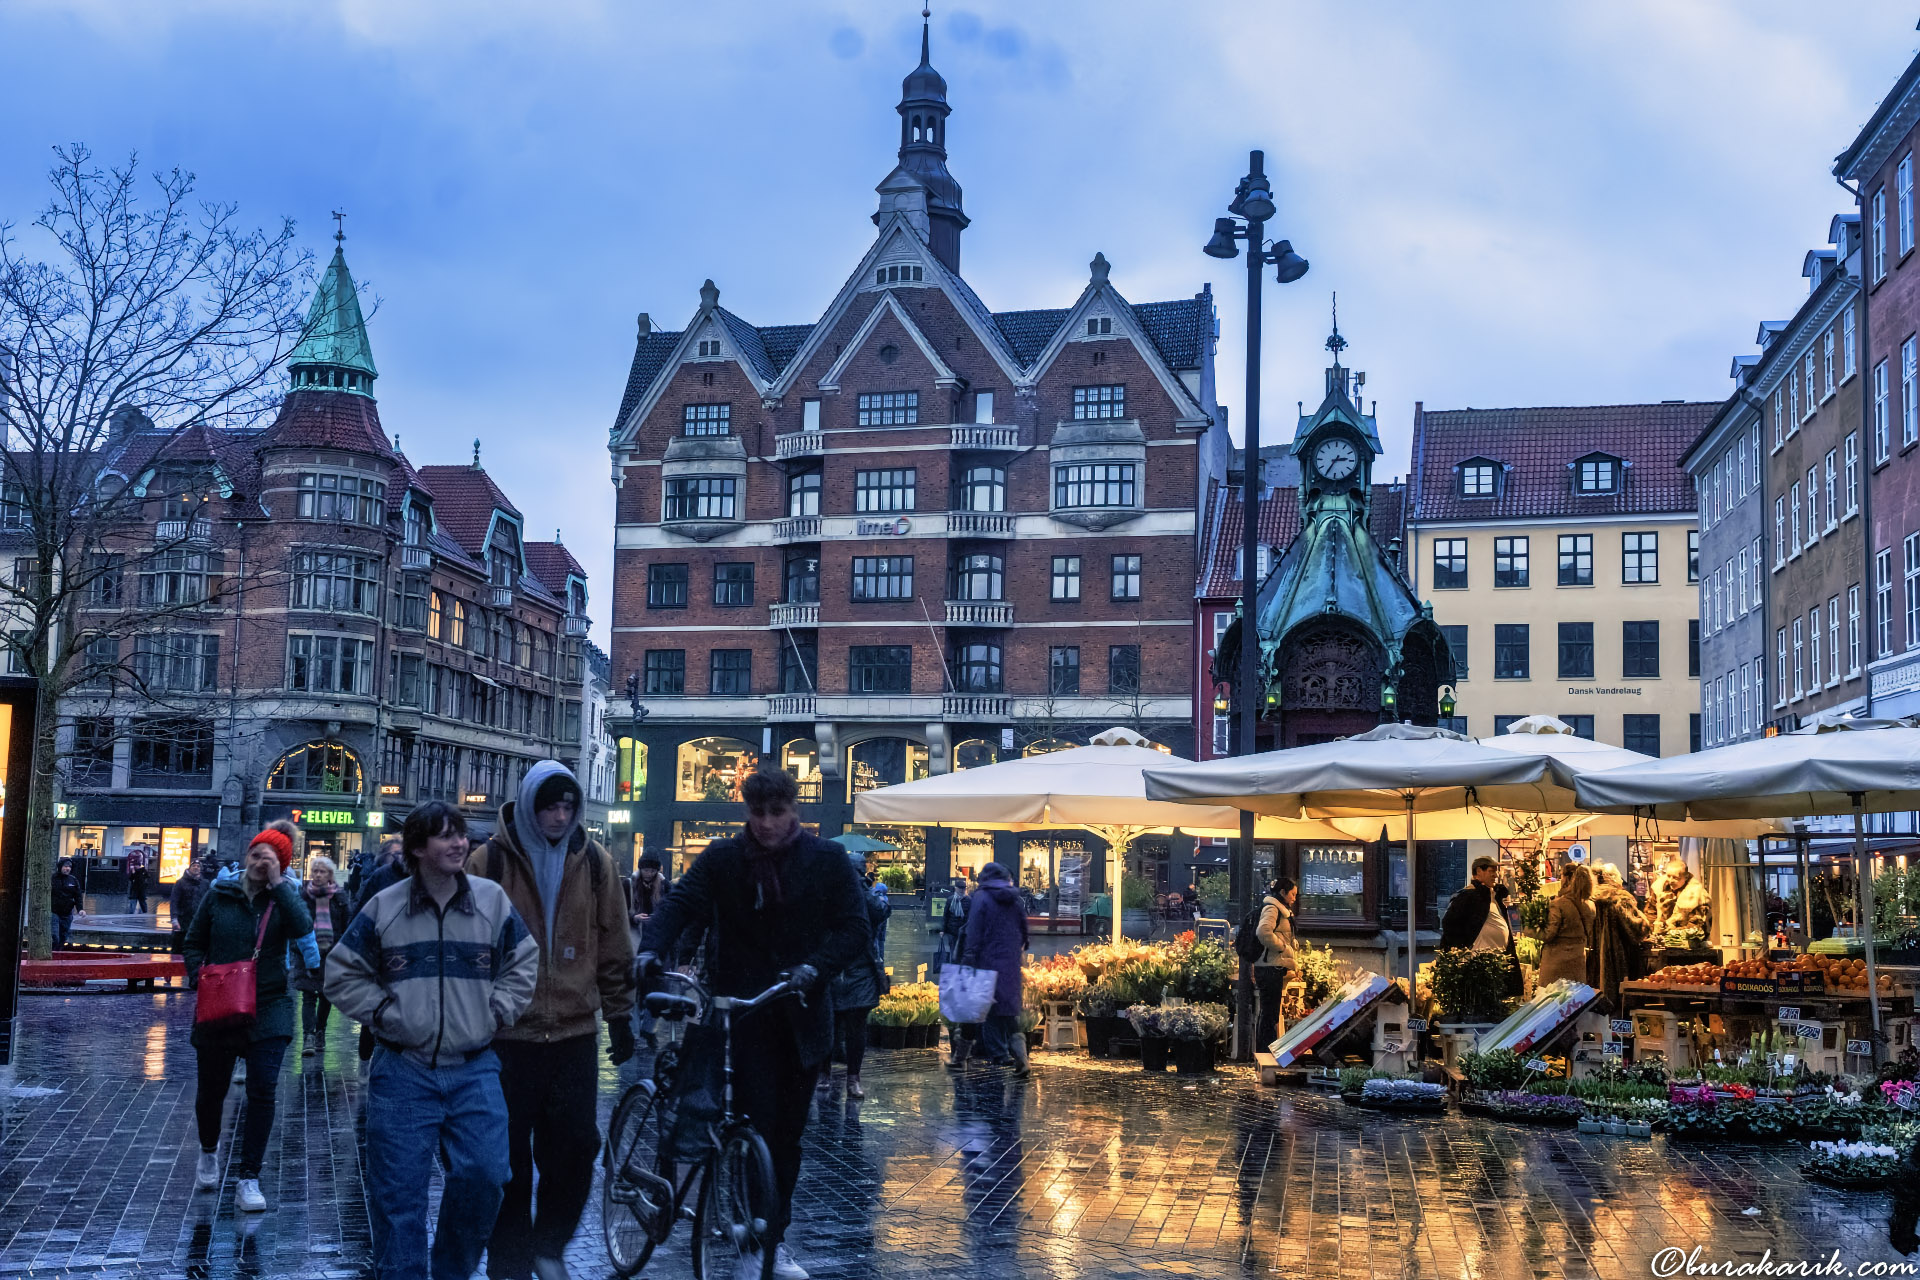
pixel 1153 1053
pixel 891 1038
pixel 1193 1057
pixel 1639 1129
pixel 1100 1034
pixel 1618 1128
pixel 1589 1126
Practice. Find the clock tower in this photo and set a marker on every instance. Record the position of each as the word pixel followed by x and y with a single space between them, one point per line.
pixel 1335 448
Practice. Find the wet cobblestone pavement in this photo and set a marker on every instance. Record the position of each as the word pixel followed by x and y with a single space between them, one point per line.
pixel 1088 1170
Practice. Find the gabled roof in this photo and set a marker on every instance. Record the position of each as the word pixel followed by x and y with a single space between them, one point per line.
pixel 1029 332
pixel 650 354
pixel 464 500
pixel 1539 445
pixel 1890 122
pixel 552 564
pixel 1179 330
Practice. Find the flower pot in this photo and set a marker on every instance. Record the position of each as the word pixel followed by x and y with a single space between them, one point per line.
pixel 1618 1128
pixel 1639 1128
pixel 1589 1126
pixel 1153 1053
pixel 873 1035
pixel 1036 1038
pixel 891 1038
pixel 926 1036
pixel 1193 1057
pixel 1100 1034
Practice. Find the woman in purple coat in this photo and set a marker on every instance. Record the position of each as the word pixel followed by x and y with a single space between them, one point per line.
pixel 997 940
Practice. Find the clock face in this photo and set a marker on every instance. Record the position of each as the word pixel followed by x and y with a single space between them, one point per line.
pixel 1335 459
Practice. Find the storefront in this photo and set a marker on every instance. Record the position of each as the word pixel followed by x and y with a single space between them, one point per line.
pixel 163 833
pixel 340 832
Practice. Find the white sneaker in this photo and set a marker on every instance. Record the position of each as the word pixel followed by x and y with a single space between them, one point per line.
pixel 784 1267
pixel 248 1198
pixel 206 1174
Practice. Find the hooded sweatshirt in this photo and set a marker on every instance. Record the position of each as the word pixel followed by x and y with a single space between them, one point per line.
pixel 548 857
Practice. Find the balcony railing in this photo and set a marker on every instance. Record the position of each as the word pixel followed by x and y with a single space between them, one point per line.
pixel 800 444
pixel 796 529
pixel 500 597
pixel 793 615
pixel 984 437
pixel 176 530
pixel 790 706
pixel 577 625
pixel 416 558
pixel 979 613
pixel 976 706
pixel 980 524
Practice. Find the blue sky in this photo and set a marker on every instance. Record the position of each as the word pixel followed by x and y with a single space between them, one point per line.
pixel 1517 203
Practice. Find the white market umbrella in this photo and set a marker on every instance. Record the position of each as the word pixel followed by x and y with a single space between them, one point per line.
pixel 1848 766
pixel 1098 788
pixel 1396 768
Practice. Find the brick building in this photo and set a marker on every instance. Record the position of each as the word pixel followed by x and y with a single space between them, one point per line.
pixel 336 635
pixel 914 535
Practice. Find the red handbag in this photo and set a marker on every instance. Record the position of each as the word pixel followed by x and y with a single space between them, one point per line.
pixel 228 999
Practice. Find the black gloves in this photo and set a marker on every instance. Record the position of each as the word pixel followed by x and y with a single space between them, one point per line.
pixel 804 977
pixel 646 967
pixel 619 1041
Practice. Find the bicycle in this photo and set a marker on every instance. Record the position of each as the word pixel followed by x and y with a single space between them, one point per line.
pixel 643 1194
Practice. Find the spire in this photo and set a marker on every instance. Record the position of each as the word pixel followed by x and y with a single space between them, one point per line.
pixel 476 453
pixel 920 186
pixel 333 353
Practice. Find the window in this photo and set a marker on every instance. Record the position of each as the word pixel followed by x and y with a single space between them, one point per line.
pixel 1909 391
pixel 1065 579
pixel 1903 187
pixel 176 663
pixel 1693 555
pixel 1094 484
pixel 1576 651
pixel 1879 220
pixel 700 498
pixel 880 668
pixel 983 406
pixel 876 491
pixel 1826 365
pixel 890 409
pixel 91 763
pixel 1799 658
pixel 1510 562
pixel 105 587
pixel 1477 480
pixel 803 494
pixel 799 660
pixel 1693 732
pixel 335 582
pixel 457 626
pixel 666 589
pixel 1449 563
pixel 1581 724
pixel 1853 630
pixel 403 678
pixel 1576 560
pixel 1693 647
pixel 1833 639
pixel 1512 651
pixel 329 664
pixel 1639 557
pixel 1806 371
pixel 730 672
pixel 410 602
pixel 883 577
pixel 1813 647
pixel 709 347
pixel 1456 635
pixel 1640 649
pixel 179 577
pixel 733 583
pixel 1813 505
pixel 1852 454
pixel 802 579
pixel 1779 418
pixel 809 415
pixel 171 752
pixel 1912 584
pixel 706 420
pixel 1883 601
pixel 976 666
pixel 1740 587
pixel 1063 670
pixel 1094 403
pixel 1100 325
pixel 1849 351
pixel 666 672
pixel 979 575
pixel 1793 402
pixel 1501 723
pixel 1880 412
pixel 1126 577
pixel 983 489
pixel 1780 666
pixel 1123 669
pixel 1833 489
pixel 102 661
pixel 1793 524
pixel 1641 733
pixel 342 499
pixel 1598 475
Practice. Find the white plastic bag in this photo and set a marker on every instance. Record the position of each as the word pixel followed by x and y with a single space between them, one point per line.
pixel 966 994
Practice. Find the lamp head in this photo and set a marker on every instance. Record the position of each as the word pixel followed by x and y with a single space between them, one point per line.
pixel 1388 697
pixel 1446 704
pixel 1289 266
pixel 1219 704
pixel 1222 244
pixel 1254 200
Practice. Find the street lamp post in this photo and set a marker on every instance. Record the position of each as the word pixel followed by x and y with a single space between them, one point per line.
pixel 1253 201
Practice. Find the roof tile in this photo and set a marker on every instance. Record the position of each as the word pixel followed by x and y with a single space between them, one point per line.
pixel 464 500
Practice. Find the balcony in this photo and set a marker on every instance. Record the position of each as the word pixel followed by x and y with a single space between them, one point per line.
pixel 985 437
pixel 577 625
pixel 793 615
pixel 980 524
pixel 800 444
pixel 797 529
pixel 183 530
pixel 979 613
pixel 976 706
pixel 416 558
pixel 500 597
pixel 790 706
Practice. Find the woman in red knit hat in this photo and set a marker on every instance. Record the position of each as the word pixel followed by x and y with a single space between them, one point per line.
pixel 260 911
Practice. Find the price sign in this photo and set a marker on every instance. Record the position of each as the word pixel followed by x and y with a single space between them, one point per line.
pixel 1860 1048
pixel 1613 1049
pixel 1716 1055
pixel 1416 1024
pixel 1788 1013
pixel 1807 1031
pixel 1620 1026
pixel 1391 1046
pixel 1535 1064
pixel 1787 1062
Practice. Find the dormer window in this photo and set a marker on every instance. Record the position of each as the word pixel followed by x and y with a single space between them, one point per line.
pixel 901 274
pixel 706 419
pixel 1479 479
pixel 709 347
pixel 1596 474
pixel 1099 326
pixel 416 525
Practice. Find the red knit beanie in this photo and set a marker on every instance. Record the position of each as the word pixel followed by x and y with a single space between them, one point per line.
pixel 278 842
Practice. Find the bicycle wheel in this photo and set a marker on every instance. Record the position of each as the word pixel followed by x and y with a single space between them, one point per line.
pixel 736 1203
pixel 636 1191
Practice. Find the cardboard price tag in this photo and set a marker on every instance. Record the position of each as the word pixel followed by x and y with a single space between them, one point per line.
pixel 1860 1048
pixel 1613 1049
pixel 1807 1031
pixel 1788 1013
pixel 1416 1024
pixel 1391 1046
pixel 1787 1062
pixel 1620 1026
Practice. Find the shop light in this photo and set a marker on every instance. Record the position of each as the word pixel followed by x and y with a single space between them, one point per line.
pixel 619 817
pixel 376 818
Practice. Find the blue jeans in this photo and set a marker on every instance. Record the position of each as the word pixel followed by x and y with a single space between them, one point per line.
pixel 412 1112
pixel 996 1036
pixel 62 928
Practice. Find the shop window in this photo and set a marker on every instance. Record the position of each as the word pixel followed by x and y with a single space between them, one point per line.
pixel 884 762
pixel 172 752
pixel 631 771
pixel 801 758
pixel 319 768
pixel 1045 746
pixel 690 838
pixel 974 753
pixel 1332 882
pixel 712 769
pixel 970 851
pixel 908 847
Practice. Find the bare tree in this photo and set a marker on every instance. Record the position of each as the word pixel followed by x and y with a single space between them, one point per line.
pixel 125 296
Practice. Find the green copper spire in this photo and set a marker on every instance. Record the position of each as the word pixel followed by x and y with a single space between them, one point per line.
pixel 333 351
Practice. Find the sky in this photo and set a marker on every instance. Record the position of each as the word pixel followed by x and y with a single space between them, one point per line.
pixel 1516 203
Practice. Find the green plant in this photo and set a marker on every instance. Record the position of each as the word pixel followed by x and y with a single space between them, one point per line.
pixel 1318 971
pixel 1495 1069
pixel 1528 950
pixel 1103 999
pixel 1533 911
pixel 1135 894
pixel 1143 978
pixel 1354 1079
pixel 1203 970
pixel 898 879
pixel 1469 985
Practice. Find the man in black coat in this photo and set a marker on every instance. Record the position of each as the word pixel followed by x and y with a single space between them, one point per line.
pixel 1477 918
pixel 779 901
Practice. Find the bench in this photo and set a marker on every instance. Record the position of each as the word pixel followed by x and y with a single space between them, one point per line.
pixel 69 968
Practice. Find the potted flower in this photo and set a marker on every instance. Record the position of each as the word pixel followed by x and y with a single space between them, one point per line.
pixel 1195 1031
pixel 1851 1165
pixel 1403 1095
pixel 1148 1022
pixel 1101 1008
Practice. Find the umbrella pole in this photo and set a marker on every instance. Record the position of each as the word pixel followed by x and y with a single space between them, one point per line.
pixel 1806 887
pixel 1865 882
pixel 1117 852
pixel 1413 900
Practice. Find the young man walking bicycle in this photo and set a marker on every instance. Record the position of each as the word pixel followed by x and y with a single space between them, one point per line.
pixel 779 901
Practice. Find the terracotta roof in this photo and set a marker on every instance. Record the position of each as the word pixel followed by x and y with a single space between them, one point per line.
pixel 464 500
pixel 1538 448
pixel 316 419
pixel 550 563
pixel 1279 526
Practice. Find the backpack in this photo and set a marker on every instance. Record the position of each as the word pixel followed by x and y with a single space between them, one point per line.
pixel 1246 942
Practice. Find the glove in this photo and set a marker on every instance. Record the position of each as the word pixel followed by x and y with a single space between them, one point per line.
pixel 803 977
pixel 619 1041
pixel 646 967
